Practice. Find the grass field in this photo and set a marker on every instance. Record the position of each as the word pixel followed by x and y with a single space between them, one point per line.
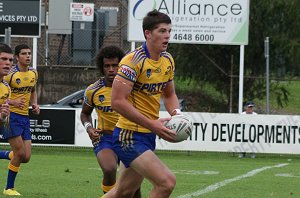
pixel 74 173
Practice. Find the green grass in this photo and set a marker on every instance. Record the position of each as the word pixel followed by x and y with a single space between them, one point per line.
pixel 73 172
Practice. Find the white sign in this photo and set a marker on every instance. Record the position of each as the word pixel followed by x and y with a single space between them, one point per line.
pixel 194 21
pixel 224 132
pixel 240 133
pixel 82 12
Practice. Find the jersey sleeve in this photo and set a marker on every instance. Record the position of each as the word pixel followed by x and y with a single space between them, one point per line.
pixel 88 96
pixel 129 68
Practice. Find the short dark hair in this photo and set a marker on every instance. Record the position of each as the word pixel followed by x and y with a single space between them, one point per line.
pixel 4 48
pixel 153 18
pixel 18 48
pixel 108 52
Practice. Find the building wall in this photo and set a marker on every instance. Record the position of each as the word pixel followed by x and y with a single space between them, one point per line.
pixel 56 82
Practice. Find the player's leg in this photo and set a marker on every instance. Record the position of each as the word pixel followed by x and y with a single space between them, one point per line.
pixel 26 136
pixel 107 160
pixel 4 154
pixel 127 148
pixel 27 147
pixel 150 166
pixel 128 183
pixel 138 193
pixel 18 148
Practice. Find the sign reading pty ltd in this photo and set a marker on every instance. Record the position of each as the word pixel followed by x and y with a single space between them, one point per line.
pixel 23 17
pixel 194 21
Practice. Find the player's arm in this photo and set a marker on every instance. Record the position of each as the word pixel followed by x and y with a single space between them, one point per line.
pixel 33 102
pixel 86 120
pixel 170 99
pixel 121 90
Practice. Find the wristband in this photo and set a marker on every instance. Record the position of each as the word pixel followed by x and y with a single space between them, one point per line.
pixel 175 112
pixel 87 125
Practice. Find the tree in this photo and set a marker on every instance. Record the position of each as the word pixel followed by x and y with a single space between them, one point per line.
pixel 277 19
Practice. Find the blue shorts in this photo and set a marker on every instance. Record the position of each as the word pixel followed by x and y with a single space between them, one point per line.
pixel 104 143
pixel 128 145
pixel 19 125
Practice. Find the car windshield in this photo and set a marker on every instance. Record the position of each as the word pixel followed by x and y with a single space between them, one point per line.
pixel 81 92
pixel 75 100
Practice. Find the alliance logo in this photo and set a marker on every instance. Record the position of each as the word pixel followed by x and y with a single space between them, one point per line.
pixel 140 6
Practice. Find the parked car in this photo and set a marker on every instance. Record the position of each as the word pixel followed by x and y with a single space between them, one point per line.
pixel 75 100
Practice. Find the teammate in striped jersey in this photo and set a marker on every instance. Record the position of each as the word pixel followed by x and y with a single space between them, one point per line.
pixel 22 80
pixel 98 96
pixel 6 60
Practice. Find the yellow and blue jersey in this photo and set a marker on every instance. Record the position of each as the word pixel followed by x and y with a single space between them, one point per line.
pixel 150 77
pixel 98 95
pixel 4 91
pixel 21 84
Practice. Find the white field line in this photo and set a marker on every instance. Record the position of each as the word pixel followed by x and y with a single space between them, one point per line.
pixel 227 181
pixel 286 175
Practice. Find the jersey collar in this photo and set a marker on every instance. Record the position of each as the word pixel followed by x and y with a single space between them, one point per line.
pixel 146 50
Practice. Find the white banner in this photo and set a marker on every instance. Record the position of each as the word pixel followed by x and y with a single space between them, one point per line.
pixel 194 21
pixel 228 133
pixel 241 133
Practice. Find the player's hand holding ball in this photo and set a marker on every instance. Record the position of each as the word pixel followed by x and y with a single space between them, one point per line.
pixel 182 125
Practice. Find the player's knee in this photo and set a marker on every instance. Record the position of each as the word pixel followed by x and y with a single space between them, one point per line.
pixel 19 155
pixel 109 171
pixel 169 183
pixel 127 193
pixel 26 159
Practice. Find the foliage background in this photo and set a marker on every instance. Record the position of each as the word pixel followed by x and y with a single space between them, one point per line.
pixel 215 68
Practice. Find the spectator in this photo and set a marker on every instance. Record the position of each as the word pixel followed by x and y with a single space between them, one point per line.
pixel 249 109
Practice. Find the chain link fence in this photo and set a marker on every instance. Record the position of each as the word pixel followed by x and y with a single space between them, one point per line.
pixel 81 46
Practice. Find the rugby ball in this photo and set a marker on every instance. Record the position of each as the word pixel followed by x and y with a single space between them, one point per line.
pixel 182 125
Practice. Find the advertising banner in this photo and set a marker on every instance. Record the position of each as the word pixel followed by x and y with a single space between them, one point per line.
pixel 53 126
pixel 194 21
pixel 22 16
pixel 220 132
pixel 240 133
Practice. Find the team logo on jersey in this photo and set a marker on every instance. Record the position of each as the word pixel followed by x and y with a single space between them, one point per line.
pixel 32 80
pixel 25 79
pixel 101 98
pixel 158 70
pixel 148 73
pixel 18 81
